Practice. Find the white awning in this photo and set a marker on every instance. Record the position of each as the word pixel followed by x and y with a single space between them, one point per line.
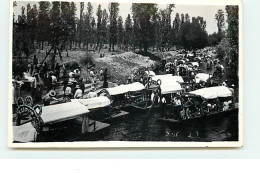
pixel 201 77
pixel 171 87
pixel 61 112
pixel 213 92
pixel 125 88
pixel 150 73
pixel 96 102
pixel 170 84
pixel 168 77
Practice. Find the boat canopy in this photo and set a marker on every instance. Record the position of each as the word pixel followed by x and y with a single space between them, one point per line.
pixel 170 87
pixel 169 84
pixel 61 112
pixel 150 73
pixel 136 86
pixel 201 77
pixel 212 92
pixel 96 102
pixel 168 77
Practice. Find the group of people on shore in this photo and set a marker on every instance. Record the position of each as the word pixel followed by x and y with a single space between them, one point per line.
pixel 38 79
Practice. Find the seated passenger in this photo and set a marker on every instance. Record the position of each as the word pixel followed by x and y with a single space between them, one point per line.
pixel 78 93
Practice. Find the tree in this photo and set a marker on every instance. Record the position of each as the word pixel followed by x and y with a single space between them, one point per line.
pixel 43 22
pixel 128 34
pixel 120 31
pixel 88 30
pixel 187 17
pixel 219 16
pixel 113 14
pixel 103 31
pixel 80 25
pixel 192 35
pixel 176 25
pixel 99 18
pixel 232 35
pixel 142 14
pixel 72 22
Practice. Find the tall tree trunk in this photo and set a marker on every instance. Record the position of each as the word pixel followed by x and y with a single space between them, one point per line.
pixel 53 58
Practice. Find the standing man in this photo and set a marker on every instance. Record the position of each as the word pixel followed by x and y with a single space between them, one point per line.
pixel 164 104
pixel 105 84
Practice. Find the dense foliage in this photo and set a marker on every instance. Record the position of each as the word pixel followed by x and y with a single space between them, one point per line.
pixel 55 24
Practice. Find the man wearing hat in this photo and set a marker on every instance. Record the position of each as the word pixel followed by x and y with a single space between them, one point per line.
pixel 50 96
pixel 78 93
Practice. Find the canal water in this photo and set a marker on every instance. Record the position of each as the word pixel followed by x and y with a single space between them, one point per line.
pixel 143 126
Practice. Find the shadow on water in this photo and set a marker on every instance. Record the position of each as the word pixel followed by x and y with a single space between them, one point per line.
pixel 140 126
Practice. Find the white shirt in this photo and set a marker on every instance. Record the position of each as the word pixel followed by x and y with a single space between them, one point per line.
pixel 92 94
pixel 163 100
pixel 71 74
pixel 78 94
pixel 152 96
pixel 54 79
pixel 68 90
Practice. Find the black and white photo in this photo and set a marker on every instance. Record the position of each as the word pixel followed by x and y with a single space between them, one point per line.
pixel 118 74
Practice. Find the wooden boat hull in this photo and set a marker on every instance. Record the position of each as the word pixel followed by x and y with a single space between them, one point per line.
pixel 198 118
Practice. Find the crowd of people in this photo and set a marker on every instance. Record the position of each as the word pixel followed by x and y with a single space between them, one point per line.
pixel 43 83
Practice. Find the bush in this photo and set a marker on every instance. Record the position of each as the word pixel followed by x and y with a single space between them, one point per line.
pixel 87 60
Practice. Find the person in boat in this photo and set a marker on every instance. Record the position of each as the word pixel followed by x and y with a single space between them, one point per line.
pixel 92 75
pixel 92 93
pixel 68 90
pixel 77 74
pixel 225 106
pixel 50 96
pixel 53 80
pixel 101 71
pixel 178 107
pixel 224 83
pixel 81 84
pixel 78 93
pixel 152 97
pixel 49 81
pixel 164 104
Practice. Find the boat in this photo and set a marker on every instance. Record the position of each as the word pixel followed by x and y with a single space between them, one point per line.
pixel 124 96
pixel 47 123
pixel 207 102
pixel 100 108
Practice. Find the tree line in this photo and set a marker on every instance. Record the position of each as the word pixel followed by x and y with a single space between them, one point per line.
pixel 146 28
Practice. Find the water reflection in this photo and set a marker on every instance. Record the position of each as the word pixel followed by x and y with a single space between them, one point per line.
pixel 140 126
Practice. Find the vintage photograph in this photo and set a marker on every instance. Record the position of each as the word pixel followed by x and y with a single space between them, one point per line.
pixel 93 72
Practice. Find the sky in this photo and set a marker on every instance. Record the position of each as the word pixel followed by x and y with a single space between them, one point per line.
pixel 205 11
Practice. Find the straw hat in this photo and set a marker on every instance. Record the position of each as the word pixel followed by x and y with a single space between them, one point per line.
pixel 77 86
pixel 52 93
